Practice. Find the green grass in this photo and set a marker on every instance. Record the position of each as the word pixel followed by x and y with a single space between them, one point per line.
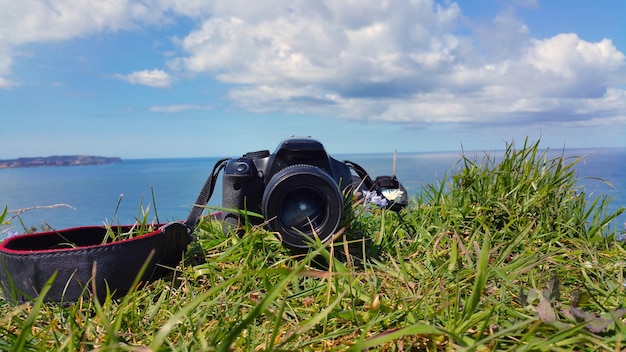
pixel 506 254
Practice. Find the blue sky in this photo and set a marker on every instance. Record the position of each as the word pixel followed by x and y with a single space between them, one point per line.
pixel 160 78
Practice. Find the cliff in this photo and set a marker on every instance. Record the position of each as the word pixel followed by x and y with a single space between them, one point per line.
pixel 58 160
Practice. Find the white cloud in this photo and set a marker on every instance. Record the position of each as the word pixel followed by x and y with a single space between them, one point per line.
pixel 402 61
pixel 153 78
pixel 179 108
pixel 5 83
pixel 572 67
pixel 35 21
pixel 416 61
pixel 330 42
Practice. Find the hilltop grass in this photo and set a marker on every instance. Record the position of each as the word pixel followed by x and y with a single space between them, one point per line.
pixel 506 254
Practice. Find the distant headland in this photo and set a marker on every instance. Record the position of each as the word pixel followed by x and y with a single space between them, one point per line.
pixel 58 160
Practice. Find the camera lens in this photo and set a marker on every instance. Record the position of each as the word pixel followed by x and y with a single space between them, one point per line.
pixel 302 200
pixel 303 208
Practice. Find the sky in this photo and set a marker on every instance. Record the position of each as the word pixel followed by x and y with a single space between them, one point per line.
pixel 193 78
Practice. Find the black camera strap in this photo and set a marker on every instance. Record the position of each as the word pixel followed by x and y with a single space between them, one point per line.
pixel 363 175
pixel 204 196
pixel 85 261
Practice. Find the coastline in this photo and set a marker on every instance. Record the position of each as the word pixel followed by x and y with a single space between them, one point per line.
pixel 58 160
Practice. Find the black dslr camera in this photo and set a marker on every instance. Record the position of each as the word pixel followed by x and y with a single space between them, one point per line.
pixel 298 190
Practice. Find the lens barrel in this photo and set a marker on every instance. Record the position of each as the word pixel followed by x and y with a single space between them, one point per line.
pixel 302 201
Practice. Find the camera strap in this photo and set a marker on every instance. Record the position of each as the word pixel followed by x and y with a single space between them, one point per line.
pixel 85 263
pixel 84 260
pixel 204 196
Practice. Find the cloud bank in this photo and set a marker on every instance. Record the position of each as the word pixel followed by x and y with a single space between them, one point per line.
pixel 417 62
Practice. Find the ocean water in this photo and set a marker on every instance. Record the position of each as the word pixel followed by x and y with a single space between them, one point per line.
pixel 93 192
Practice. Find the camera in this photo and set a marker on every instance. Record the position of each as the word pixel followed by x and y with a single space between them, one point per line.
pixel 298 190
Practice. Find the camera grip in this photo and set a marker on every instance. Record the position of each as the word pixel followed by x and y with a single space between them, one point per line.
pixel 240 193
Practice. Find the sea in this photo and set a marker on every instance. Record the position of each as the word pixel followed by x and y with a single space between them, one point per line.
pixel 164 190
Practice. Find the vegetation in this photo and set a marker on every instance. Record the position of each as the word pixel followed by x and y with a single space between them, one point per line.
pixel 507 254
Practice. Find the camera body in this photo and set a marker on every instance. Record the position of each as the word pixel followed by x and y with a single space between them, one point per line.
pixel 298 190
